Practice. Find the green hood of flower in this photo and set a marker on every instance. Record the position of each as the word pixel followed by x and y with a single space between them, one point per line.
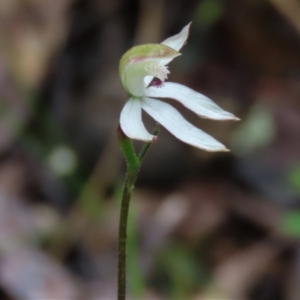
pixel 141 61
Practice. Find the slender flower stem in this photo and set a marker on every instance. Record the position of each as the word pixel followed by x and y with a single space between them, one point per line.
pixel 128 186
pixel 133 166
pixel 147 145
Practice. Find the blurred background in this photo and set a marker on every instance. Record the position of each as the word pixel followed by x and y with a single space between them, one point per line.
pixel 202 226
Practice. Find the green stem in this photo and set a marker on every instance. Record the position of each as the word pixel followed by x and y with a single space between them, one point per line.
pixel 147 145
pixel 126 145
pixel 133 166
pixel 128 187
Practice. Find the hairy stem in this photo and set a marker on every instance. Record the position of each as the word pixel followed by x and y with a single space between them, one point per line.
pixel 127 189
pixel 133 166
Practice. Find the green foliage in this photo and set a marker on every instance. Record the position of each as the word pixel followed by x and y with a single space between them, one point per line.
pixel 290 223
pixel 136 279
pixel 91 202
pixel 294 177
pixel 181 270
pixel 256 131
pixel 208 12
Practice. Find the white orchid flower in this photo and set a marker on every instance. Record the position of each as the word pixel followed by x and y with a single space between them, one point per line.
pixel 138 67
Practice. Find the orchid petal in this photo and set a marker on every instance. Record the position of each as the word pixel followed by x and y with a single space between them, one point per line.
pixel 174 122
pixel 177 41
pixel 131 121
pixel 191 99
